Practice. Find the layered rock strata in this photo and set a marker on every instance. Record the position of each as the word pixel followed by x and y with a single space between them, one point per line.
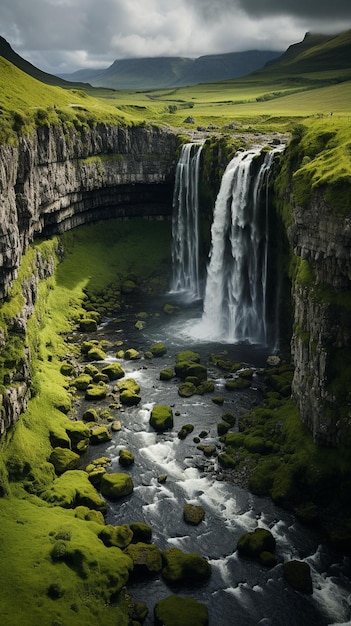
pixel 58 179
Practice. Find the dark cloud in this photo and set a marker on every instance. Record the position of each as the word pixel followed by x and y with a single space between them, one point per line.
pixel 65 35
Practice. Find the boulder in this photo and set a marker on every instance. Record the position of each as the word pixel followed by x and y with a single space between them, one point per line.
pixel 193 514
pixel 82 382
pixel 72 489
pixel 177 611
pixel 64 459
pixel 96 392
pixel 96 354
pixel 132 355
pixel 182 568
pixel 298 575
pixel 186 390
pixel 118 536
pixel 126 458
pixel 129 398
pixel 158 349
pixel 79 435
pixel 146 557
pixel 166 374
pixel 185 430
pixel 253 544
pixel 128 384
pixel 114 371
pixel 141 532
pixel 116 485
pixel 161 417
pixel 99 434
pixel 87 325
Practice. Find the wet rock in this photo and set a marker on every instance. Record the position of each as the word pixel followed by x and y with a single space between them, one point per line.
pixel 158 349
pixel 180 567
pixel 99 434
pixel 298 575
pixel 146 557
pixel 114 371
pixel 254 544
pixel 193 514
pixel 116 485
pixel 126 458
pixel 161 417
pixel 141 532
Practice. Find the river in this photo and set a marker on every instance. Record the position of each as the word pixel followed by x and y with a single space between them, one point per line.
pixel 240 592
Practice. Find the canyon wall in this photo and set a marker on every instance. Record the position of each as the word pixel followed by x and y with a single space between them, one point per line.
pixel 58 179
pixel 321 341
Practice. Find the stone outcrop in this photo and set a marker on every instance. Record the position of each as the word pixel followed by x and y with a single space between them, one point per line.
pixel 321 341
pixel 58 179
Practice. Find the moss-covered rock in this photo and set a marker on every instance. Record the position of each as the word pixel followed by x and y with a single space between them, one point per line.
pixel 82 382
pixel 114 371
pixel 67 369
pixel 146 557
pixel 90 415
pixel 119 536
pixel 186 390
pixel 158 349
pixel 226 461
pixel 64 459
pixel 177 611
pixel 96 354
pixel 237 385
pixel 219 400
pixel 126 458
pixel 253 544
pixel 298 575
pixel 171 309
pixel 193 514
pixel 207 386
pixel 183 369
pixel 132 355
pixel 128 286
pixel 166 374
pixel 87 325
pixel 128 384
pixel 161 417
pixel 141 532
pixel 72 489
pixel 129 398
pixel 229 418
pixel 222 428
pixel 99 434
pixel 96 392
pixel 182 568
pixel 116 485
pixel 185 430
pixel 79 436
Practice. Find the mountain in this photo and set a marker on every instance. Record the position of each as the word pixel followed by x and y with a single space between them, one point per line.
pixel 49 79
pixel 324 56
pixel 164 72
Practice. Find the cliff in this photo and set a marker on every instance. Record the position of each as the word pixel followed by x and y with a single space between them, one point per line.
pixel 51 182
pixel 58 179
pixel 318 223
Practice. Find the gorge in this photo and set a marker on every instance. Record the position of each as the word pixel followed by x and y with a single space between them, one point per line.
pixel 54 181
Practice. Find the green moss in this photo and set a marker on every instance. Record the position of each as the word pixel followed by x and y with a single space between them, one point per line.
pixel 114 371
pixel 115 486
pixel 161 417
pixel 118 536
pixel 177 611
pixel 180 568
pixel 146 557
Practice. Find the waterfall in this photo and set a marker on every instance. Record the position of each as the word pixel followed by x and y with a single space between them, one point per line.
pixel 236 308
pixel 185 228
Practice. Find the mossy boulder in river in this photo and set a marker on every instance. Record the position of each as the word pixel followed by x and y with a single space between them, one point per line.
pixel 99 434
pixel 116 485
pixel 193 514
pixel 298 575
pixel 141 532
pixel 180 567
pixel 126 458
pixel 64 459
pixel 79 436
pixel 129 398
pixel 132 355
pixel 146 557
pixel 96 392
pixel 114 371
pixel 127 384
pixel 186 390
pixel 166 374
pixel 87 325
pixel 161 417
pixel 178 611
pixel 188 365
pixel 257 543
pixel 158 349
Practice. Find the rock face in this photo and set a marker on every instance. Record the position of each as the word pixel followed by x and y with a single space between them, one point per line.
pixel 321 341
pixel 56 180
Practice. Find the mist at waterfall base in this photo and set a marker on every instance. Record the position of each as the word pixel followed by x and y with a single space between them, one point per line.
pixel 239 304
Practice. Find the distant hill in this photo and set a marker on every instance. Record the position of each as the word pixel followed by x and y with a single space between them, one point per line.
pixel 327 56
pixel 165 72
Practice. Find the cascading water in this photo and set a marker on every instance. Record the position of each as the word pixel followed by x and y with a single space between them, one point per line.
pixel 235 303
pixel 185 231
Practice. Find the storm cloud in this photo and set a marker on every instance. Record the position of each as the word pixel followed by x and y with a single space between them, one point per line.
pixel 64 35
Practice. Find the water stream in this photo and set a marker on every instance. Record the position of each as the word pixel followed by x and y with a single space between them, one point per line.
pixel 239 591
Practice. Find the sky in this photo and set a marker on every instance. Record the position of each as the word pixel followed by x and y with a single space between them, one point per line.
pixel 62 36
